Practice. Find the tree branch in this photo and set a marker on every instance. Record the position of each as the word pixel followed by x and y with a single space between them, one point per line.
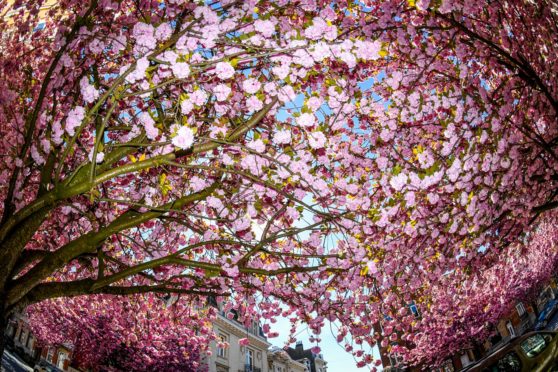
pixel 88 243
pixel 32 120
pixel 45 291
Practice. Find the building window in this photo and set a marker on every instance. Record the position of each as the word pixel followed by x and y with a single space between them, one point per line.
pixel 465 360
pixel 62 356
pixel 11 329
pixel 520 309
pixel 30 342
pixel 249 360
pixel 221 350
pixel 254 328
pixel 510 328
pixel 50 354
pixel 23 336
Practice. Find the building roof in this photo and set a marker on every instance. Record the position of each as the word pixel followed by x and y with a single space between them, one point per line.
pixel 298 353
pixel 276 353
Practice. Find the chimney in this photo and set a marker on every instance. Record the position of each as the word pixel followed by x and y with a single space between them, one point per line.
pixel 299 345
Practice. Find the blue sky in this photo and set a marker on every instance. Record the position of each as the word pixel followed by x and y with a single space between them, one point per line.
pixel 338 360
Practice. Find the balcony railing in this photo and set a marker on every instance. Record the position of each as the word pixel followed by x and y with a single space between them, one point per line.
pixel 250 368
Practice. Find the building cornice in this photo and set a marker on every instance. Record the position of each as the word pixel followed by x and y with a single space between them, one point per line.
pixel 238 330
pixel 283 357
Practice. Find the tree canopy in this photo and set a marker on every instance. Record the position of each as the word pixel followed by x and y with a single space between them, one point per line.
pixel 316 160
pixel 134 333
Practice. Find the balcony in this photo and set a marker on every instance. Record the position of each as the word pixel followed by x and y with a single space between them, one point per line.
pixel 250 368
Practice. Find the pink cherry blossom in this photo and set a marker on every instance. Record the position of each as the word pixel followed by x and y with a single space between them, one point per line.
pixel 254 104
pixel 181 70
pixel 149 125
pixel 186 106
pixel 265 27
pixel 224 70
pixel 199 97
pixel 256 145
pixel 88 91
pixel 399 152
pixel 306 120
pixel 282 137
pixel 399 181
pixel 163 31
pixel 139 72
pixel 184 138
pixel 316 350
pixel 314 103
pixel 74 119
pixel 316 140
pixel 286 94
pixel 372 268
pixel 251 85
pixel 222 92
pixel 144 35
pixel 99 158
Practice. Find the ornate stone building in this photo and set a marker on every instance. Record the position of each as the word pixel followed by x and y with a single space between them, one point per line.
pixel 281 361
pixel 238 358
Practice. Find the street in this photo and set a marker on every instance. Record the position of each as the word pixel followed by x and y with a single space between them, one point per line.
pixel 10 363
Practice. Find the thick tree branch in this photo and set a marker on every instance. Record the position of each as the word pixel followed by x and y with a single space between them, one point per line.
pixel 88 243
pixel 13 245
pixel 74 185
pixel 50 290
pixel 27 257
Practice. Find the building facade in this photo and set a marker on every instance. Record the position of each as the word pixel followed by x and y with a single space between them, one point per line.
pixel 238 358
pixel 20 338
pixel 257 356
pixel 313 362
pixel 280 361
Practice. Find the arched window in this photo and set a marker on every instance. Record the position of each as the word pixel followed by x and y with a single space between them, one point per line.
pixel 62 356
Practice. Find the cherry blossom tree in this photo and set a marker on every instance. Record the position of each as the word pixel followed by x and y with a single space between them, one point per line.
pixel 314 160
pixel 461 305
pixel 136 333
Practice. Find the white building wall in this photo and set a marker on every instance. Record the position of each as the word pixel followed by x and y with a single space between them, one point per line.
pixel 233 358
